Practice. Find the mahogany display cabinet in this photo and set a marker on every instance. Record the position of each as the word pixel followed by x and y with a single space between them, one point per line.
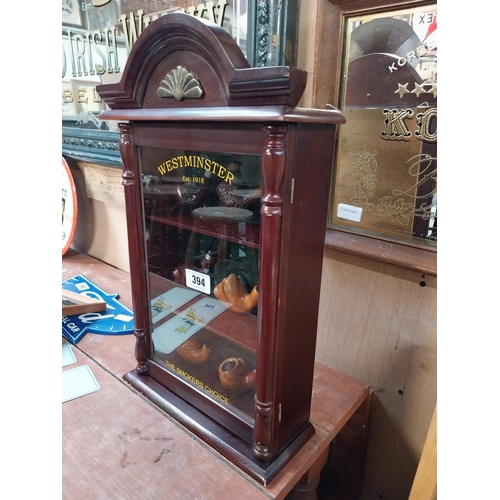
pixel 226 187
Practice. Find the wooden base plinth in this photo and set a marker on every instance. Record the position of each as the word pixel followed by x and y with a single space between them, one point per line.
pixel 216 436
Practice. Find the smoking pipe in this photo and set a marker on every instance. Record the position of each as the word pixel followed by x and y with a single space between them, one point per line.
pixel 193 352
pixel 179 273
pixel 233 374
pixel 231 289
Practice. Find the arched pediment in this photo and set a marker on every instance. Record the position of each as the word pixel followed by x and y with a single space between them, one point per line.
pixel 180 61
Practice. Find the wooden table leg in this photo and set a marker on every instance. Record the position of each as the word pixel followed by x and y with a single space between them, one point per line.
pixel 342 475
pixel 305 489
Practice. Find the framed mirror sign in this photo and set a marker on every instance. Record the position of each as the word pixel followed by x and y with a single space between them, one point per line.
pixel 385 181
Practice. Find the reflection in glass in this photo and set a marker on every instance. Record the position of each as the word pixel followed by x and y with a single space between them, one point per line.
pixel 202 221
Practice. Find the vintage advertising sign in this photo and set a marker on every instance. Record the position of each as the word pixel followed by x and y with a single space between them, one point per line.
pixel 386 168
pixel 69 207
pixel 116 319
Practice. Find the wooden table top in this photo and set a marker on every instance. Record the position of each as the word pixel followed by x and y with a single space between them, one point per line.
pixel 117 444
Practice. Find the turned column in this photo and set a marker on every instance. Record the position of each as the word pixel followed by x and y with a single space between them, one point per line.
pixel 273 169
pixel 138 269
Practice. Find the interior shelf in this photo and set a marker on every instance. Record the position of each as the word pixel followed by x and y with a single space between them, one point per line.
pixel 234 231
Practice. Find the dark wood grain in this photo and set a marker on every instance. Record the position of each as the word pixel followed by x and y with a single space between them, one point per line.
pixel 391 252
pixel 236 110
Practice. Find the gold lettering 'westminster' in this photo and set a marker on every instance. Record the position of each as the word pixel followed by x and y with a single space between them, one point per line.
pixel 196 162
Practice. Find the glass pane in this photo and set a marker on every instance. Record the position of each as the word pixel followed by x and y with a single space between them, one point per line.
pixel 202 213
pixel 386 166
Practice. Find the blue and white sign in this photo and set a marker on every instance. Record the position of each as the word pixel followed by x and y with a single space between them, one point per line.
pixel 116 319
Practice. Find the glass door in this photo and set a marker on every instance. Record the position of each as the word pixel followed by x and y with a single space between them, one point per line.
pixel 202 226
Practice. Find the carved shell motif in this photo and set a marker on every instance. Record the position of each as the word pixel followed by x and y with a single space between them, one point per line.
pixel 181 84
